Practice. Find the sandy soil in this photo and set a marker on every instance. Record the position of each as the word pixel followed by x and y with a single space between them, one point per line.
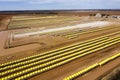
pixel 113 74
pixel 80 26
pixel 50 42
pixel 96 74
pixel 3 39
pixel 63 71
pixel 4 21
pixel 78 64
pixel 39 21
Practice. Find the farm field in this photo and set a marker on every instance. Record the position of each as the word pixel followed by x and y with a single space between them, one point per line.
pixel 49 60
pixel 37 21
pixel 59 47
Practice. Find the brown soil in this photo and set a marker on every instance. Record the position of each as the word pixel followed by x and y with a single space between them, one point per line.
pixel 51 42
pixel 113 74
pixel 4 21
pixel 99 72
pixel 72 67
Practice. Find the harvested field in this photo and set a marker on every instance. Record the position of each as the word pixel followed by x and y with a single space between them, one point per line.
pixel 41 21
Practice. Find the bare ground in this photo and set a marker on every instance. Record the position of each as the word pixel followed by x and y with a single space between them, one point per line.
pixel 52 42
pixel 63 71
